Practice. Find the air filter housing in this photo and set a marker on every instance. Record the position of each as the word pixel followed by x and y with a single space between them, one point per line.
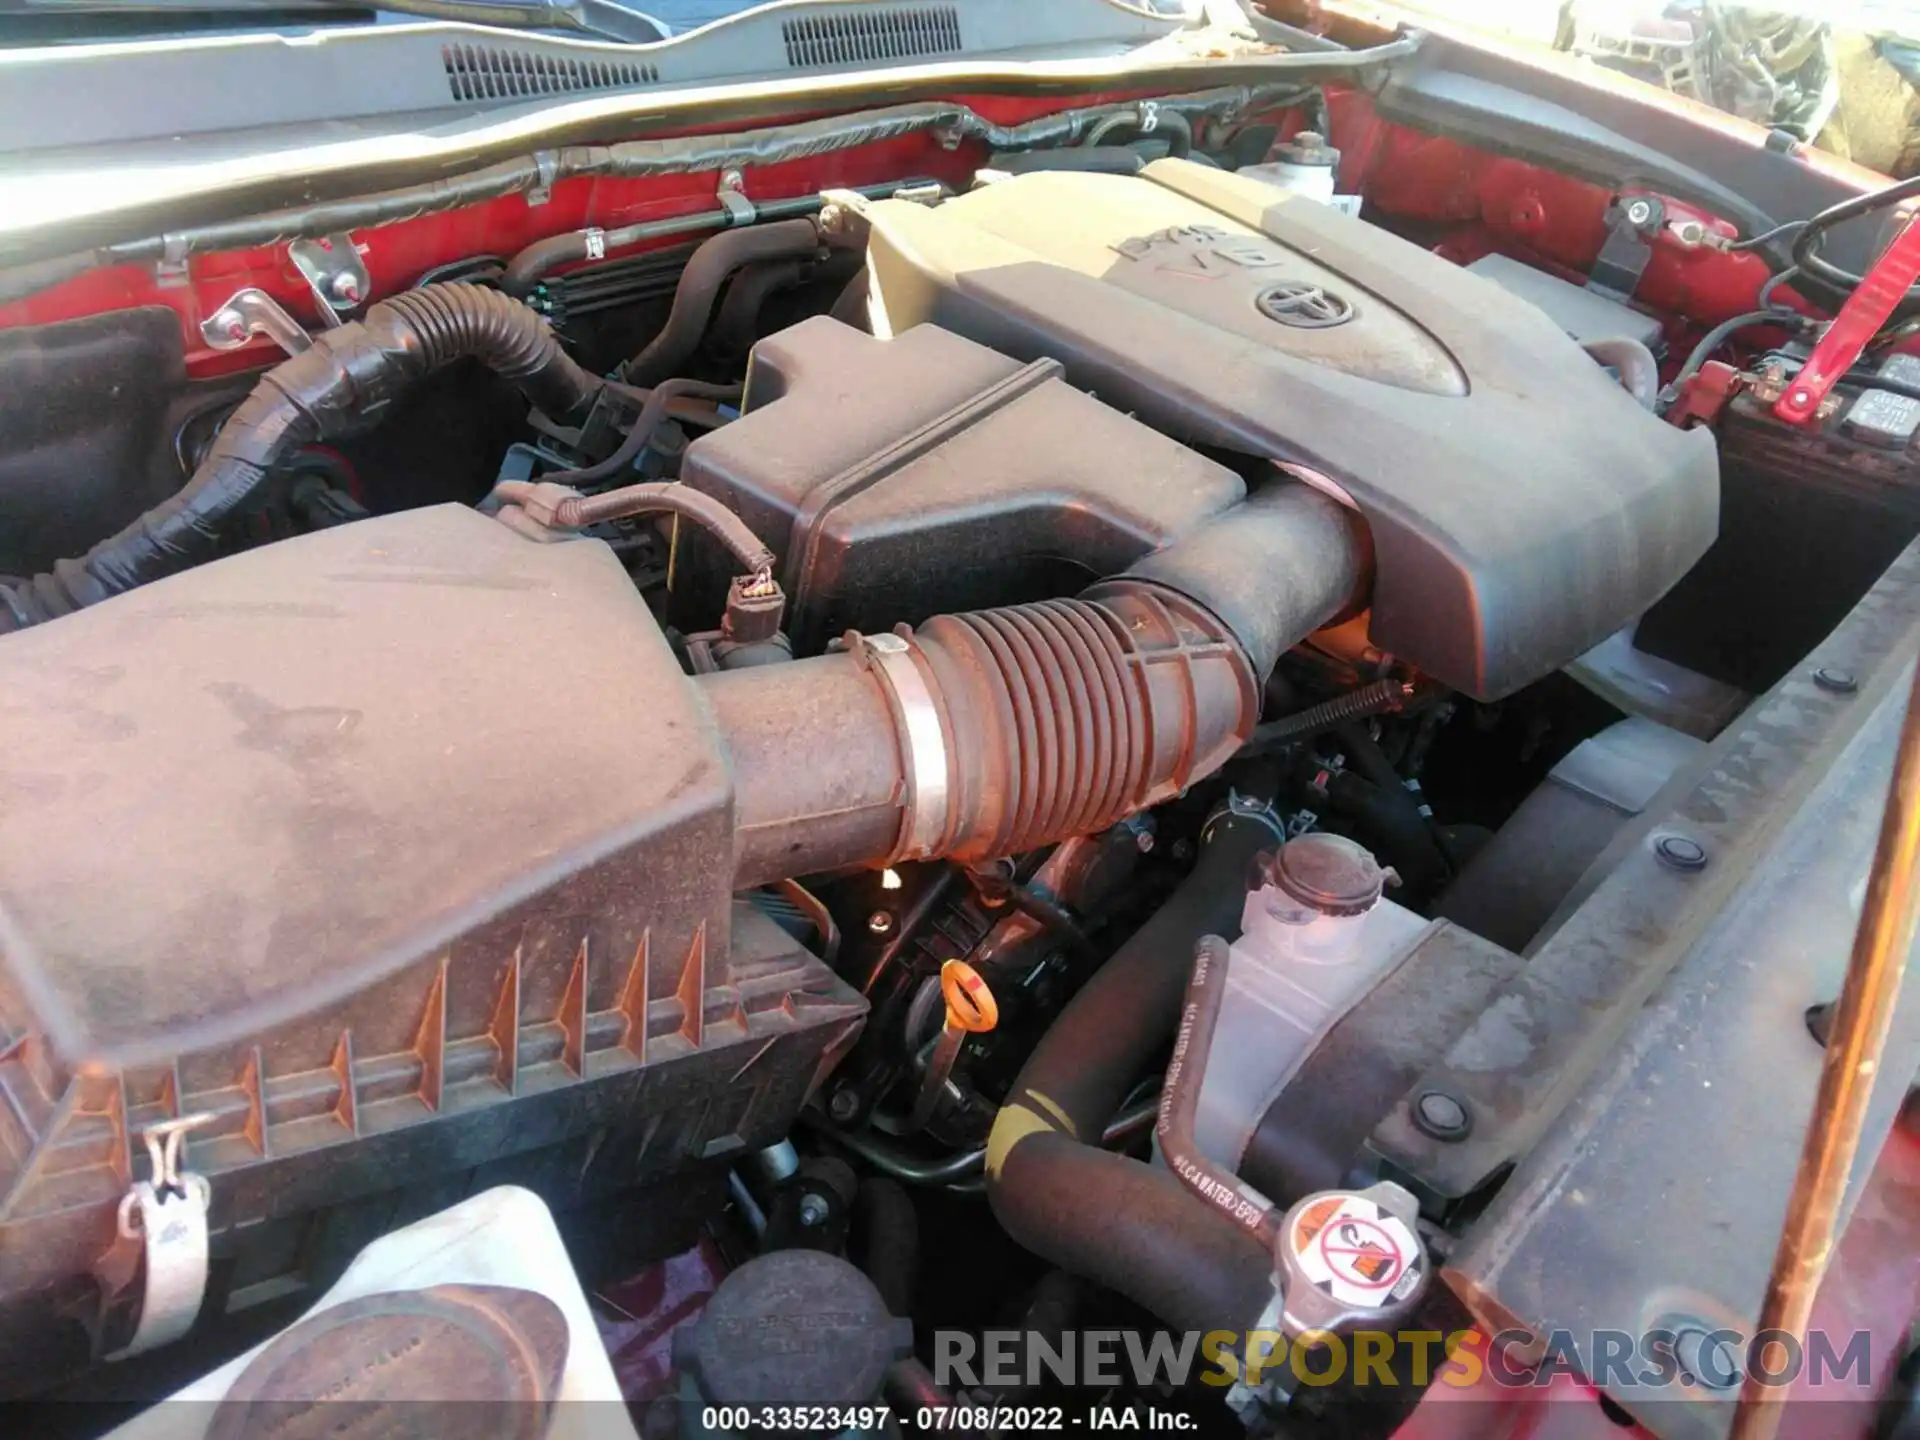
pixel 400 851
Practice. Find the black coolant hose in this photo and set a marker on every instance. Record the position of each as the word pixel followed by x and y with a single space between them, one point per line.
pixel 1178 1123
pixel 1111 1219
pixel 1148 121
pixel 1422 837
pixel 318 394
pixel 708 269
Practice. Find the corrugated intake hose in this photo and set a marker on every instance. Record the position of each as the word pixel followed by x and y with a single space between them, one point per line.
pixel 700 283
pixel 343 380
pixel 1111 1219
pixel 994 733
pixel 979 735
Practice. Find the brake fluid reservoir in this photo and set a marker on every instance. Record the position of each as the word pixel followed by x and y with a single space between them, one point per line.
pixel 1304 165
pixel 1316 936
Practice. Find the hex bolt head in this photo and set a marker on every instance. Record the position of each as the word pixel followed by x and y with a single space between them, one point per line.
pixel 1835 682
pixel 1443 1116
pixel 813 1210
pixel 880 922
pixel 844 1104
pixel 1705 1359
pixel 1639 212
pixel 1680 852
pixel 345 288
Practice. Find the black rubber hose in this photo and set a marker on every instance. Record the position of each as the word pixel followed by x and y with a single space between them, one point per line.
pixel 530 264
pixel 700 284
pixel 736 326
pixel 1371 761
pixel 1212 1184
pixel 653 410
pixel 1111 1219
pixel 349 373
pixel 1133 1229
pixel 1392 829
pixel 1175 126
pixel 892 1241
pixel 1050 913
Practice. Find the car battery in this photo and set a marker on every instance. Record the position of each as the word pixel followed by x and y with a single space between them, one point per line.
pixel 1810 515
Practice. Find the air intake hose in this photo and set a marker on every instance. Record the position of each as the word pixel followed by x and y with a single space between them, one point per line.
pixel 323 392
pixel 993 733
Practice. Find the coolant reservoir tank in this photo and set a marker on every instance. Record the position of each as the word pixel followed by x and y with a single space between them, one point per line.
pixel 1317 934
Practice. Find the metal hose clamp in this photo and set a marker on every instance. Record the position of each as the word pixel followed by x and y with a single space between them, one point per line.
pixel 923 738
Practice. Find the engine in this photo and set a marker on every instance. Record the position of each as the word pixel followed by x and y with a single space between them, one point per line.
pixel 602 835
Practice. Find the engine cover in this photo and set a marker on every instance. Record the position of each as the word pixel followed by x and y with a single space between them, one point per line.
pixel 1523 506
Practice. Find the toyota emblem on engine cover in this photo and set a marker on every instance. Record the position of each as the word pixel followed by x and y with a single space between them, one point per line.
pixel 1305 306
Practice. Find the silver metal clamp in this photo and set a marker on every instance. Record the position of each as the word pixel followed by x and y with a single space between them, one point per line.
pixel 922 737
pixel 167 1214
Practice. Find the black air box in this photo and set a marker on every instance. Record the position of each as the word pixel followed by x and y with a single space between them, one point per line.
pixel 928 475
pixel 402 851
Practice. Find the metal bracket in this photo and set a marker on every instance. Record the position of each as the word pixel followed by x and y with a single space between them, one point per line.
pixel 170 270
pixel 929 193
pixel 733 199
pixel 1631 226
pixel 332 267
pixel 547 164
pixel 252 312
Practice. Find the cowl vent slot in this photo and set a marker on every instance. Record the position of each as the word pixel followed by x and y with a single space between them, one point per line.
pixel 485 72
pixel 871 35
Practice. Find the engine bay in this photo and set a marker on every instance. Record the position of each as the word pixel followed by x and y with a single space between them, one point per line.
pixel 920 750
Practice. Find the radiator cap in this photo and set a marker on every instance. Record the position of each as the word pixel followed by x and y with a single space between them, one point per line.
pixel 480 1361
pixel 794 1327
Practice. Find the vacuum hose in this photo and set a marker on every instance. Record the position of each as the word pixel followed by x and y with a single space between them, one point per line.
pixel 327 390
